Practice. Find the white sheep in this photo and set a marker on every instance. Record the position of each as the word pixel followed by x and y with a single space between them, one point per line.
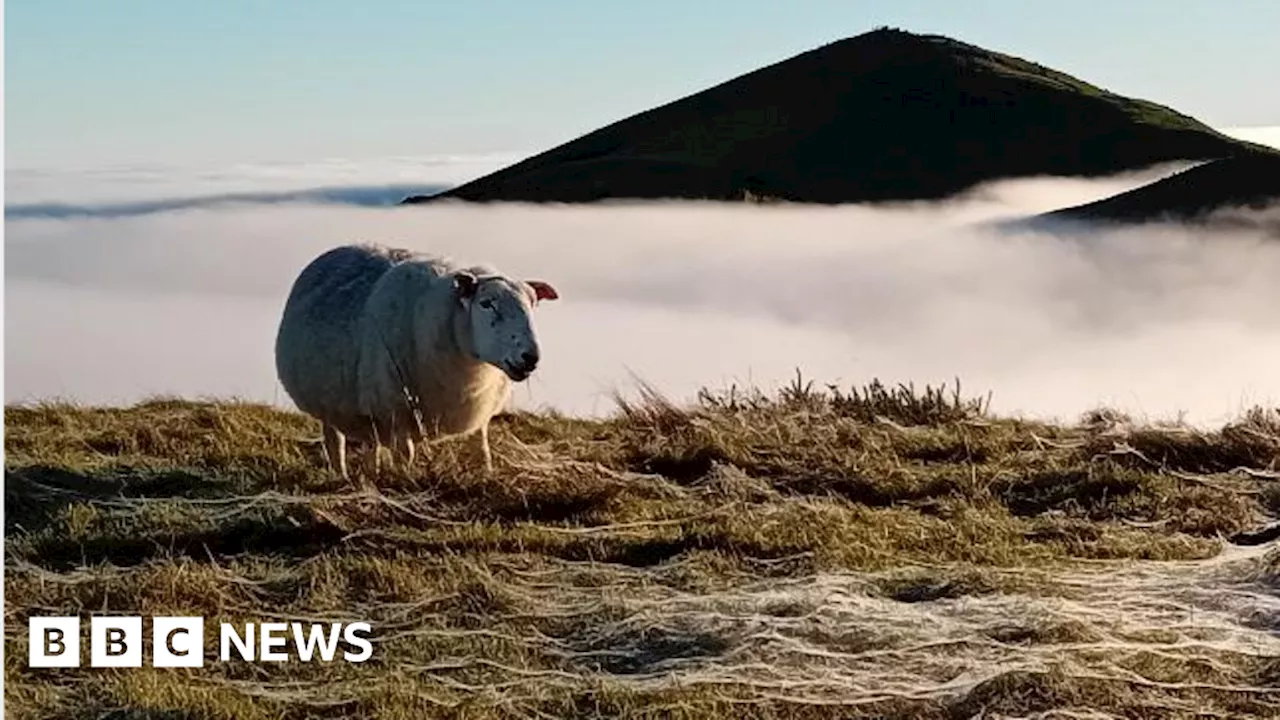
pixel 386 346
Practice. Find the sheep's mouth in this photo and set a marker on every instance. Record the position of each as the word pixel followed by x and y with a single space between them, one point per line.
pixel 517 374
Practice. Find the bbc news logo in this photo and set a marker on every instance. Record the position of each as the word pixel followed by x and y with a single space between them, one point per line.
pixel 117 641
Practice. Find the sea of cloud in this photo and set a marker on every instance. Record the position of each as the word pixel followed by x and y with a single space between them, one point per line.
pixel 127 300
pixel 111 186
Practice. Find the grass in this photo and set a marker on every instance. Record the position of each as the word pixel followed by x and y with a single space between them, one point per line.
pixel 878 552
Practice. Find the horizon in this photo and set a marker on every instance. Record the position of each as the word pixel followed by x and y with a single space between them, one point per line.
pixel 188 88
pixel 1011 308
pixel 123 189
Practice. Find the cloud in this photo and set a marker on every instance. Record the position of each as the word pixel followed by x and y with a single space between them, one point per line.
pixel 1154 320
pixel 361 196
pixel 131 184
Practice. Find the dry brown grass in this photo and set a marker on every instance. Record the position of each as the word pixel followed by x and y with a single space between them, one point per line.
pixel 882 552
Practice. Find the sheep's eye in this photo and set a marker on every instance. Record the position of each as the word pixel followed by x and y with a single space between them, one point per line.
pixel 486 304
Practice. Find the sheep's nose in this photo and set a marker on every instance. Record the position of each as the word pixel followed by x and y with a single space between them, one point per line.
pixel 529 358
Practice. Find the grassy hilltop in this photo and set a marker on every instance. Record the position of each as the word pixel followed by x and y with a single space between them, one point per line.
pixel 880 553
pixel 885 115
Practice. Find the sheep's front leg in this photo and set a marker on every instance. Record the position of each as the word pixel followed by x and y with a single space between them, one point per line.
pixel 400 441
pixel 482 444
pixel 405 451
pixel 335 450
pixel 381 433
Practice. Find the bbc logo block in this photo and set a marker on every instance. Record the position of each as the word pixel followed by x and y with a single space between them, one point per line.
pixel 54 641
pixel 177 642
pixel 117 641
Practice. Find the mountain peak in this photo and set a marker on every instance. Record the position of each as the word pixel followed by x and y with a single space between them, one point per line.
pixel 884 115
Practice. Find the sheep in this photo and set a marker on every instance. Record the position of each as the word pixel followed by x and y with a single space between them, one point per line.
pixel 387 346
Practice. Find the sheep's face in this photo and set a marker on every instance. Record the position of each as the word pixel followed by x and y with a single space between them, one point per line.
pixel 500 311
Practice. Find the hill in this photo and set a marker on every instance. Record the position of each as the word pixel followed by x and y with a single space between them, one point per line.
pixel 1204 193
pixel 886 115
pixel 876 553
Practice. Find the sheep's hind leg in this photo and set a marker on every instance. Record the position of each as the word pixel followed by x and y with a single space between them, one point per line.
pixel 335 450
pixel 372 465
pixel 400 443
pixel 406 452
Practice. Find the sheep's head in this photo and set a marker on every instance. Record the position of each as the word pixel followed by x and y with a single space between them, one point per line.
pixel 500 311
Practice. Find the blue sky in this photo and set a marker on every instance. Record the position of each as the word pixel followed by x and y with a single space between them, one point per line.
pixel 169 81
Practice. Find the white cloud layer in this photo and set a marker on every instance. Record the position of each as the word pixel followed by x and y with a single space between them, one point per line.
pixel 1155 320
pixel 133 183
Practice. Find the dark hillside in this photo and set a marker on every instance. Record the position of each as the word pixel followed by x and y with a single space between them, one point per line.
pixel 887 115
pixel 1248 183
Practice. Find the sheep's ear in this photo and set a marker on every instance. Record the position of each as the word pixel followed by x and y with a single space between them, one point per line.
pixel 542 290
pixel 464 284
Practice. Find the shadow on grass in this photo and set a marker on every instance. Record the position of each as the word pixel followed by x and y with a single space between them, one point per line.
pixel 289 532
pixel 1040 492
pixel 34 495
pixel 645 650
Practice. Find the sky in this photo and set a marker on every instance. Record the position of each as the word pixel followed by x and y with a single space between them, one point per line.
pixel 137 82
